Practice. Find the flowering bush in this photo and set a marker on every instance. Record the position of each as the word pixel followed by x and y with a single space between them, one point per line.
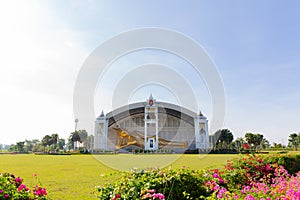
pixel 277 184
pixel 12 187
pixel 156 184
pixel 251 177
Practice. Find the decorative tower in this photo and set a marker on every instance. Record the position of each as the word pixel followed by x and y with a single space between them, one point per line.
pixel 101 130
pixel 201 132
pixel 151 124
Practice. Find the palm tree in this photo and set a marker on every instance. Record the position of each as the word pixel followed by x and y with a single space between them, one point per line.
pixel 254 140
pixel 265 143
pixel 294 140
pixel 46 141
pixel 61 143
pixel 54 139
pixel 223 136
pixel 74 137
pixel 227 136
pixel 238 144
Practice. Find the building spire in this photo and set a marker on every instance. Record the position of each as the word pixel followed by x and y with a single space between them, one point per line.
pixel 200 113
pixel 151 97
pixel 102 114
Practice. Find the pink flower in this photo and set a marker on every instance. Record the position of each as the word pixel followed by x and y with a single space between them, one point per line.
pixel 249 197
pixel 221 181
pixel 221 192
pixel 159 196
pixel 34 175
pixel 1 191
pixel 146 196
pixel 152 191
pixel 18 179
pixel 6 196
pixel 215 175
pixel 268 168
pixel 21 187
pixel 40 191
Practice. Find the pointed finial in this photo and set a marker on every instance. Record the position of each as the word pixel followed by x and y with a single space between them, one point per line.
pixel 151 97
pixel 200 113
pixel 102 114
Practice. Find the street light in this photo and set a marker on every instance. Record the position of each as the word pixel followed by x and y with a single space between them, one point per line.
pixel 76 121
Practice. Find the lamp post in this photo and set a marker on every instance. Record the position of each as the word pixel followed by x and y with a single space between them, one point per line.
pixel 76 121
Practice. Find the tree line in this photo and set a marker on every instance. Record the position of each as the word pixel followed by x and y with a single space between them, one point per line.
pixel 251 142
pixel 78 140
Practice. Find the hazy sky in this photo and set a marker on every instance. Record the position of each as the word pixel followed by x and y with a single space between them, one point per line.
pixel 255 46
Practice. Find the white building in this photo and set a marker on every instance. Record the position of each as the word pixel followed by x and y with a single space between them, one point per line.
pixel 152 125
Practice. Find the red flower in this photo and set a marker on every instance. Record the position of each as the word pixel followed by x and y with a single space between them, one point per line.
pixel 246 146
pixel 117 197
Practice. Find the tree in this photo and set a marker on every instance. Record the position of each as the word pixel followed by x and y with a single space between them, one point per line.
pixel 277 145
pixel 265 143
pixel 294 140
pixel 46 141
pixel 11 148
pixel 223 136
pixel 61 143
pixel 78 136
pixel 227 136
pixel 83 135
pixel 89 142
pixel 28 145
pixel 254 140
pixel 74 138
pixel 54 139
pixel 238 144
pixel 37 145
pixel 32 145
pixel 20 146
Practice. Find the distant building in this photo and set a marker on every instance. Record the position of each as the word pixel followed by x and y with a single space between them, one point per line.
pixel 152 125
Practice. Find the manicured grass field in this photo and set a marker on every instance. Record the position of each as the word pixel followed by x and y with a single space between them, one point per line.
pixel 75 176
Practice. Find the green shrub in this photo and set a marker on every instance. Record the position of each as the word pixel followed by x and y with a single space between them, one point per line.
pixel 290 162
pixel 239 177
pixel 173 184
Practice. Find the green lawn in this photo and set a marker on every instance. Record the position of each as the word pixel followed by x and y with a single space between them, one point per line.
pixel 75 177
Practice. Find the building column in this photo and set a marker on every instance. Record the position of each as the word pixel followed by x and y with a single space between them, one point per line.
pixel 151 117
pixel 101 133
pixel 201 132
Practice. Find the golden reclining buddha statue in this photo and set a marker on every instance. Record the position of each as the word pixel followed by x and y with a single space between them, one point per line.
pixel 137 138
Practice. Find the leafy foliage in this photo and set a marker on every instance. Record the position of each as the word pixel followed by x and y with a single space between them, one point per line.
pixel 255 140
pixel 173 184
pixel 255 177
pixel 224 136
pixel 248 177
pixel 294 140
pixel 12 187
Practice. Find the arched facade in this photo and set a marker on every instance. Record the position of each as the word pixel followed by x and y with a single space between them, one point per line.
pixel 151 125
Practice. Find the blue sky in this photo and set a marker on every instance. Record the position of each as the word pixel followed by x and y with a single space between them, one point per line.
pixel 254 44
